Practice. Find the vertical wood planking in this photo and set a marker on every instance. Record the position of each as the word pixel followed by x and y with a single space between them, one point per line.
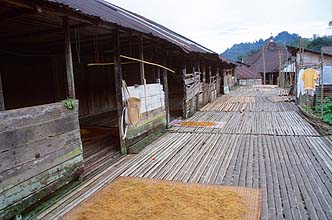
pixel 69 60
pixel 184 71
pixel 118 84
pixel 197 95
pixel 2 101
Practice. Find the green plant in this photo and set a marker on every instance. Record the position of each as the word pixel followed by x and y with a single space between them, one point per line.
pixel 326 106
pixel 69 104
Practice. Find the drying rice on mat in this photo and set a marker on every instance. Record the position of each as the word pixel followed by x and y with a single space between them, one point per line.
pixel 130 198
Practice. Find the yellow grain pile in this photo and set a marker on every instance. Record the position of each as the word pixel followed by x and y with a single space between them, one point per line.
pixel 136 200
pixel 197 124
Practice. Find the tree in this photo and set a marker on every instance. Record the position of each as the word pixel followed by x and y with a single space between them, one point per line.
pixel 317 43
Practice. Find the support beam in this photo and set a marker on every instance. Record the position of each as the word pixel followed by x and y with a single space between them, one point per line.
pixel 264 70
pixel 204 95
pixel 199 88
pixel 184 72
pixel 204 74
pixel 141 57
pixel 118 85
pixel 164 72
pixel 2 102
pixel 217 82
pixel 210 81
pixel 69 60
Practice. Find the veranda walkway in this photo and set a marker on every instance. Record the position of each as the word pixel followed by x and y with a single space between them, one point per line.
pixel 266 145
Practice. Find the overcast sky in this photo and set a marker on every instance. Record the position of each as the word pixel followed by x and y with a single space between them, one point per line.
pixel 218 24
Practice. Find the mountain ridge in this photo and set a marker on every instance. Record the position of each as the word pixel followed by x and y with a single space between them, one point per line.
pixel 242 50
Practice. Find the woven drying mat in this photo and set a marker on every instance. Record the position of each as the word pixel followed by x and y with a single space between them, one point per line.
pixel 129 198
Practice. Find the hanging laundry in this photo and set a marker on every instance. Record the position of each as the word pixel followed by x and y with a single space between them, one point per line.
pixel 309 77
pixel 300 84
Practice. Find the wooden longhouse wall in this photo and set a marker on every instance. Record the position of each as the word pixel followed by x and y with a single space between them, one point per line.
pixel 40 151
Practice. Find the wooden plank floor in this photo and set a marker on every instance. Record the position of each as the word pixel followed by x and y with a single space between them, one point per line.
pixel 275 150
pixel 271 123
pixel 99 149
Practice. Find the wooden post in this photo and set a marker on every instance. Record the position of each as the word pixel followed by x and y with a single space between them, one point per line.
pixel 118 85
pixel 264 71
pixel 281 75
pixel 197 84
pixel 322 84
pixel 2 102
pixel 141 57
pixel 203 87
pixel 199 89
pixel 69 60
pixel 166 97
pixel 217 83
pixel 209 90
pixel 184 72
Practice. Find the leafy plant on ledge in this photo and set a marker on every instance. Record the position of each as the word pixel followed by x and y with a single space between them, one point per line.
pixel 326 105
pixel 69 104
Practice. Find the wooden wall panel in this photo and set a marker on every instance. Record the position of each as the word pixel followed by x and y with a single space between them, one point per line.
pixel 40 151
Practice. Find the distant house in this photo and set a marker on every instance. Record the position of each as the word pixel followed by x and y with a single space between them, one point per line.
pixel 268 60
pixel 327 50
pixel 245 76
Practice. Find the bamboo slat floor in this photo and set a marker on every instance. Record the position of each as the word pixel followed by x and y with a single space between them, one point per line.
pixel 277 151
pixel 270 123
pixel 250 107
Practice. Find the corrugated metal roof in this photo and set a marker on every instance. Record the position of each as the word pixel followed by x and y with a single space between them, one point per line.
pixel 243 72
pixel 271 55
pixel 119 16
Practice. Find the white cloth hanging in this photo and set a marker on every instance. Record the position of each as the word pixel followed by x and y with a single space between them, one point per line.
pixel 300 84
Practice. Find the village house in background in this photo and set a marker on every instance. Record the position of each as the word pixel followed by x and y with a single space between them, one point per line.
pixel 83 83
pixel 268 61
pixel 247 77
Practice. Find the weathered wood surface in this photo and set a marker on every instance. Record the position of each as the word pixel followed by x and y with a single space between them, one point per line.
pixel 270 123
pixel 165 85
pixel 100 149
pixel 2 101
pixel 69 59
pixel 241 104
pixel 192 90
pixel 40 150
pixel 118 84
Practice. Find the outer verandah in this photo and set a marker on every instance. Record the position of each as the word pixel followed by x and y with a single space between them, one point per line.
pixel 287 159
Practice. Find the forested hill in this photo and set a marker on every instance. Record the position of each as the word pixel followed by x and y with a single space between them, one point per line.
pixel 242 50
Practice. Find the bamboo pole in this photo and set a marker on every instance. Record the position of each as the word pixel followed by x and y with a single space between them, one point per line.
pixel 264 69
pixel 322 83
pixel 146 62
